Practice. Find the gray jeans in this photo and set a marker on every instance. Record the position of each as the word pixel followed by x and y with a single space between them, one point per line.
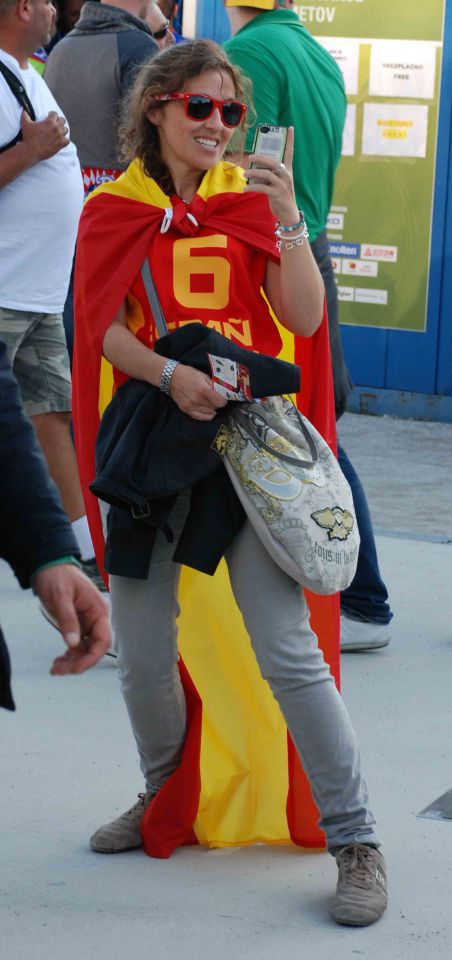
pixel 275 614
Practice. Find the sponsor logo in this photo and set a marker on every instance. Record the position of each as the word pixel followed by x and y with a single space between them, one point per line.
pixel 345 250
pixel 367 295
pixel 346 293
pixel 360 268
pixel 371 251
pixel 335 221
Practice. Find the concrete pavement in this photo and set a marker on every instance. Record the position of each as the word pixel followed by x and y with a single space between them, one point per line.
pixel 68 764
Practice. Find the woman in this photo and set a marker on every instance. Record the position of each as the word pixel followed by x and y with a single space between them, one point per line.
pixel 210 239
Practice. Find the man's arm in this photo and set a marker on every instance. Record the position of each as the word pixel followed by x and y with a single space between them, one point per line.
pixel 35 535
pixel 34 529
pixel 41 139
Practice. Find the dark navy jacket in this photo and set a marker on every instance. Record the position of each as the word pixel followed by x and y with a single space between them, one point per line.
pixel 34 529
pixel 148 451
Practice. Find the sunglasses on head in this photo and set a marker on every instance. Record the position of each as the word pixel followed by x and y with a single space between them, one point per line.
pixel 198 106
pixel 160 34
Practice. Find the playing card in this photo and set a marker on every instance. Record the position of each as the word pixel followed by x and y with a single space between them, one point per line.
pixel 230 379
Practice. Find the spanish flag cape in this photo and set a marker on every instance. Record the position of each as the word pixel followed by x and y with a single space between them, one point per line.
pixel 239 780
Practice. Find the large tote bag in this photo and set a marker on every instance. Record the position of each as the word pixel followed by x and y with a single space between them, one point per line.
pixel 294 493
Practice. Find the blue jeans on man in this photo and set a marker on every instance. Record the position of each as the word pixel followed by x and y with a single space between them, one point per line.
pixel 366 599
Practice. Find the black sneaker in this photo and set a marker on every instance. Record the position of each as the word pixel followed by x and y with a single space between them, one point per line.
pixel 91 570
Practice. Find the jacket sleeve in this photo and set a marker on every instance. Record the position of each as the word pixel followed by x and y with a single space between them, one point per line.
pixel 34 529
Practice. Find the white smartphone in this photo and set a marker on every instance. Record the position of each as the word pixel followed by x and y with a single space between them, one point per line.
pixel 270 141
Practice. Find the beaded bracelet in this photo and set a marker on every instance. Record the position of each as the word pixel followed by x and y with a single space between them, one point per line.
pixel 293 227
pixel 289 243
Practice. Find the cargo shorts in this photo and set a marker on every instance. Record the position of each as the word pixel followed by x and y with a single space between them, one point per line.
pixel 38 355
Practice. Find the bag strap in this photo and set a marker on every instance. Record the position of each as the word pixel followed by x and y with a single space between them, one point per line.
pixel 162 329
pixel 294 461
pixel 17 88
pixel 153 298
pixel 310 440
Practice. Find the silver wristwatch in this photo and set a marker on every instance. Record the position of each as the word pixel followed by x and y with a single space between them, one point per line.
pixel 167 373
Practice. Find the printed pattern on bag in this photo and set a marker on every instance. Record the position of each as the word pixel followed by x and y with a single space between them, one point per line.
pixel 303 514
pixel 337 521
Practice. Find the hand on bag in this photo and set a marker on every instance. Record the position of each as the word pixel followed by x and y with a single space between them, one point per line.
pixel 194 394
pixel 276 180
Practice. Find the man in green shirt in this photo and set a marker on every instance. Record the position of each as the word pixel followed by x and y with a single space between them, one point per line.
pixel 297 83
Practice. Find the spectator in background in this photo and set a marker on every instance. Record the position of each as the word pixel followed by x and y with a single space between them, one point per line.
pixel 69 15
pixel 159 25
pixel 91 70
pixel 296 81
pixel 39 57
pixel 170 10
pixel 41 198
pixel 90 73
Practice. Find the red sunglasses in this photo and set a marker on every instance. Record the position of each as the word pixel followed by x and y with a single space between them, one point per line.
pixel 198 106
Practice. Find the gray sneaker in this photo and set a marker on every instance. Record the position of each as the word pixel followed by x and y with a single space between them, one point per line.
pixel 361 893
pixel 124 833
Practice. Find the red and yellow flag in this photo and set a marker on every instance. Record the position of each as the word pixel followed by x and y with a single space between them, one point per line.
pixel 239 780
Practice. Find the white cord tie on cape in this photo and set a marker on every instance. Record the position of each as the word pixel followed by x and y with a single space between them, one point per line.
pixel 167 218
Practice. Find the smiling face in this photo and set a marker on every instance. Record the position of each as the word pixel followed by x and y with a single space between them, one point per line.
pixel 189 147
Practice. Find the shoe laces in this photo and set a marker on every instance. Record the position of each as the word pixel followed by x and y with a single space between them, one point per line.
pixel 356 864
pixel 139 807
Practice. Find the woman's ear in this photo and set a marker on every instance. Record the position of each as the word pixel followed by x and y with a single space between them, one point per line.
pixel 154 114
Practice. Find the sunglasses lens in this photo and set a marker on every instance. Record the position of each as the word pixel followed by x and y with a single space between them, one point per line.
pixel 232 113
pixel 199 108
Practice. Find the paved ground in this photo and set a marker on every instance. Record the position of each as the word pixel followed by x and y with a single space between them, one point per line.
pixel 68 763
pixel 406 468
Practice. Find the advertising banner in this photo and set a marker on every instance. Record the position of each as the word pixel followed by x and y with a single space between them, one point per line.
pixel 389 52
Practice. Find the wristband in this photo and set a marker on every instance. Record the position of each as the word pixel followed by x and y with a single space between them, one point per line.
pixel 293 227
pixel 167 373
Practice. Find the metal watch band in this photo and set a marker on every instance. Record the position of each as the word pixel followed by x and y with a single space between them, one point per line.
pixel 167 373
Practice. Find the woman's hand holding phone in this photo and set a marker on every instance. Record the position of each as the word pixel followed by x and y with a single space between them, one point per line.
pixel 274 177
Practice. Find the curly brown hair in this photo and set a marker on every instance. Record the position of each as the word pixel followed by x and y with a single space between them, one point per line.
pixel 168 72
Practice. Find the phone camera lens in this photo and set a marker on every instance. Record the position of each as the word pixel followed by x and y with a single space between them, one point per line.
pixel 264 128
